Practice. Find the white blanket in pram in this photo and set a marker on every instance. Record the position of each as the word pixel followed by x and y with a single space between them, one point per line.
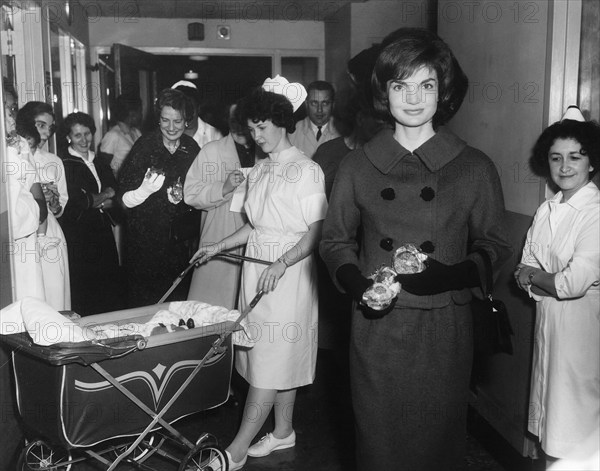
pixel 203 314
pixel 45 324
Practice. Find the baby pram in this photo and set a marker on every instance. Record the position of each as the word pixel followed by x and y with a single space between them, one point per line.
pixel 90 399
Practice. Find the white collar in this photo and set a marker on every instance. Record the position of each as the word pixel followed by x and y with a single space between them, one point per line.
pixel 580 198
pixel 89 158
pixel 315 128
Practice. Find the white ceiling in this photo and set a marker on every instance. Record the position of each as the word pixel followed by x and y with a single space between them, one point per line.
pixel 249 10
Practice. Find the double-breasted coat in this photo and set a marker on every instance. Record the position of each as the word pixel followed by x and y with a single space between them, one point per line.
pixel 410 369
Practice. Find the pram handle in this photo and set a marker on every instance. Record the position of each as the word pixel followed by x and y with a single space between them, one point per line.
pixel 245 312
pixel 191 265
pixel 243 257
pixel 176 282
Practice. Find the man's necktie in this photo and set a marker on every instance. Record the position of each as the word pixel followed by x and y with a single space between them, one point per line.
pixel 319 132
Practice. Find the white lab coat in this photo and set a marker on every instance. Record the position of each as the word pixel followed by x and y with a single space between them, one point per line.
pixel 565 384
pixel 217 281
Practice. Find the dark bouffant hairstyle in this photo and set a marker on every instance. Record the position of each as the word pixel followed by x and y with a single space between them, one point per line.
pixel 83 119
pixel 403 53
pixel 178 101
pixel 31 110
pixel 586 133
pixel 261 105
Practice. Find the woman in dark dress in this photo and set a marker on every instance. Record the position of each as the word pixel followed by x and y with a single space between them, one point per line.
pixel 87 222
pixel 151 183
pixel 414 182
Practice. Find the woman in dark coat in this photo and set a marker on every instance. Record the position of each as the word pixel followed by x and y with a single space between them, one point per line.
pixel 151 182
pixel 414 182
pixel 87 222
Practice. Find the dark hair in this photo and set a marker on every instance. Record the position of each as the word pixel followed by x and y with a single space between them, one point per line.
pixel 125 104
pixel 323 86
pixel 177 100
pixel 585 133
pixel 360 69
pixel 83 119
pixel 235 123
pixel 32 110
pixel 403 53
pixel 28 130
pixel 352 118
pixel 261 105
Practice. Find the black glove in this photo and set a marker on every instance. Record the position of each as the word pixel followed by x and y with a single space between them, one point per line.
pixel 439 278
pixel 352 280
pixel 355 284
pixel 371 313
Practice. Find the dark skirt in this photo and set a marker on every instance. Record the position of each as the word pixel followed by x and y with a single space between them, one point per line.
pixel 410 383
pixel 96 278
pixel 154 261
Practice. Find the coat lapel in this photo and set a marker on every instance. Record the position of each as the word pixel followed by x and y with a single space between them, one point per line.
pixel 384 152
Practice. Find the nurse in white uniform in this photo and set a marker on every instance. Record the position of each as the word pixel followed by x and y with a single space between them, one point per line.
pixel 54 257
pixel 560 269
pixel 284 199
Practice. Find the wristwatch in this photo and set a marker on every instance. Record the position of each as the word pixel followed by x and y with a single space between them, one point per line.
pixel 530 277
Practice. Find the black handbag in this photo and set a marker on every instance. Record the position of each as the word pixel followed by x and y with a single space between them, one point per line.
pixel 492 331
pixel 185 226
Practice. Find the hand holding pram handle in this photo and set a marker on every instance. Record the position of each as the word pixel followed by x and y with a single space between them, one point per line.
pixel 199 261
pixel 206 252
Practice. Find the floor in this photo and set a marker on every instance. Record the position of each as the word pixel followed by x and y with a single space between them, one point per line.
pixel 323 424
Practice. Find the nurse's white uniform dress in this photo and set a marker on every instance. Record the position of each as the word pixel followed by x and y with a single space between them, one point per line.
pixel 284 194
pixel 564 406
pixel 53 248
pixel 24 214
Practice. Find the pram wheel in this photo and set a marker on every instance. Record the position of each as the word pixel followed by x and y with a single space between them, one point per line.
pixel 207 455
pixel 40 456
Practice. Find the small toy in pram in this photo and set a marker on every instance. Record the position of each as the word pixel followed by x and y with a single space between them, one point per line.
pixel 383 290
pixel 408 259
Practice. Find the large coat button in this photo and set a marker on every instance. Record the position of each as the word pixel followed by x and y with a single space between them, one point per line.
pixel 387 244
pixel 388 194
pixel 427 193
pixel 427 246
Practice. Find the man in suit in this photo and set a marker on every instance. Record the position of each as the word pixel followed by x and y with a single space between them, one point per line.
pixel 317 127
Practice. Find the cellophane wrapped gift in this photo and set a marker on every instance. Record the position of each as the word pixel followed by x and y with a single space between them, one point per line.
pixel 408 259
pixel 383 290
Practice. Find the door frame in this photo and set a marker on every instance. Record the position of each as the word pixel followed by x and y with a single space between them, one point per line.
pixel 275 54
pixel 562 65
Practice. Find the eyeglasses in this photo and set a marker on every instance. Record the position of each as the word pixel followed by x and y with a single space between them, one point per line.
pixel 43 126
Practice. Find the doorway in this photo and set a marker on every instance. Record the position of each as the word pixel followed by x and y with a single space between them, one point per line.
pixel 221 80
